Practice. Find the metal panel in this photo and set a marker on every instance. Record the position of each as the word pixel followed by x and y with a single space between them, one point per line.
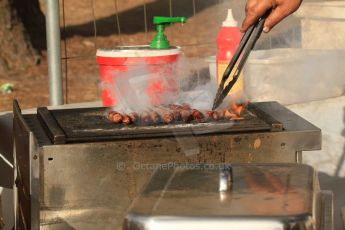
pixel 6 150
pixel 81 187
pixel 49 123
pixel 34 183
pixel 291 121
pixel 2 223
pixel 324 210
pixel 343 216
pixel 26 177
pixel 304 222
pixel 22 177
pixel 102 178
pixel 274 196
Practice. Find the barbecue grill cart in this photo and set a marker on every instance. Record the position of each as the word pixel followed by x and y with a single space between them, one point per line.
pixel 77 170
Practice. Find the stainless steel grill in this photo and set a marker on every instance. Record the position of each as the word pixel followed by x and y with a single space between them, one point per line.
pixel 74 168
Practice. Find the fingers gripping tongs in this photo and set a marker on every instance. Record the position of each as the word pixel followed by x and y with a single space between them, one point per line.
pixel 246 45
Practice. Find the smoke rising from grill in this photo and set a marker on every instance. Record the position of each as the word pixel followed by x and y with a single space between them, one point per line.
pixel 140 89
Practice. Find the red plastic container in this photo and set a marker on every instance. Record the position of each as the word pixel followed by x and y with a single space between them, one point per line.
pixel 155 67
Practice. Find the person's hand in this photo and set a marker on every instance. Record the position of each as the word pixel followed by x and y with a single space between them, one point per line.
pixel 280 9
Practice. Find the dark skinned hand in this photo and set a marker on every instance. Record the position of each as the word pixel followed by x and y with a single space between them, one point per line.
pixel 280 10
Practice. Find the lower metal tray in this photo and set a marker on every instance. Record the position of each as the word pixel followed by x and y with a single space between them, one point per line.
pixel 261 196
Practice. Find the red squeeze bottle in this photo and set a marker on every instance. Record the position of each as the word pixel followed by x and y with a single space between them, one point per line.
pixel 228 39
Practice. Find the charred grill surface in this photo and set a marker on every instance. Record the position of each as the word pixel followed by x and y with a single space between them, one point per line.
pixel 94 124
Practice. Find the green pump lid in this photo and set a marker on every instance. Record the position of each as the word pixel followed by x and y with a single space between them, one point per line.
pixel 160 41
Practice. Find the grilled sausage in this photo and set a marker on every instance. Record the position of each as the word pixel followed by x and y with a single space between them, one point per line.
pixel 110 115
pixel 183 112
pixel 177 115
pixel 126 120
pixel 215 115
pixel 134 117
pixel 197 115
pixel 165 113
pixel 186 115
pixel 155 117
pixel 145 118
pixel 117 118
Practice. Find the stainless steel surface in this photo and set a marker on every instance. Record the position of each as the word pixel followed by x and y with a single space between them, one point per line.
pixel 225 178
pixel 6 209
pixel 343 216
pixel 323 207
pixel 280 196
pixel 2 223
pixel 26 173
pixel 299 157
pixel 6 150
pixel 118 171
pixel 204 223
pixel 91 185
pixel 53 52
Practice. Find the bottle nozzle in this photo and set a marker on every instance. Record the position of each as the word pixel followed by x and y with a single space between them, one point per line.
pixel 160 41
pixel 167 20
pixel 230 21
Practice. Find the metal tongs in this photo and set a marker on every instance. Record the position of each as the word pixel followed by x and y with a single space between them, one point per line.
pixel 246 45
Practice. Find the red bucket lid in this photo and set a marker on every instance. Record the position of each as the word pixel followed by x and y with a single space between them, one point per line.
pixel 134 55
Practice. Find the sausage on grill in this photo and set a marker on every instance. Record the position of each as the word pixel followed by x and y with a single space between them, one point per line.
pixel 197 115
pixel 215 115
pixel 115 117
pixel 177 115
pixel 166 114
pixel 126 120
pixel 155 117
pixel 134 117
pixel 186 115
pixel 174 112
pixel 110 115
pixel 182 111
pixel 145 118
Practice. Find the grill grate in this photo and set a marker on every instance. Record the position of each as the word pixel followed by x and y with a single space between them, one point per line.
pixel 91 124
